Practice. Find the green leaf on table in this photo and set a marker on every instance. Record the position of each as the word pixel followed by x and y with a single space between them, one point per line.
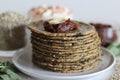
pixel 115 51
pixel 4 77
pixel 7 72
pixel 115 48
pixel 13 75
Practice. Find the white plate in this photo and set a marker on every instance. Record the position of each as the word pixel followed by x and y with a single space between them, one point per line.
pixel 23 61
pixel 9 53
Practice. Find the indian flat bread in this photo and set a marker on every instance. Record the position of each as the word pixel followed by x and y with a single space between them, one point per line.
pixel 73 49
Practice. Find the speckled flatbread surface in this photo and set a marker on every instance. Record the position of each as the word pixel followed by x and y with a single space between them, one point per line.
pixel 65 52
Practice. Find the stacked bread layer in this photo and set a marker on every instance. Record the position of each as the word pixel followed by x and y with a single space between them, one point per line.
pixel 66 53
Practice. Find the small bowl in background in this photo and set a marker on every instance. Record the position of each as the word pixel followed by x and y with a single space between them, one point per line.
pixel 108 30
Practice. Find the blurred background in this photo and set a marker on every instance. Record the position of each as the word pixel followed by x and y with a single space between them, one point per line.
pixel 104 14
pixel 82 9
pixel 14 34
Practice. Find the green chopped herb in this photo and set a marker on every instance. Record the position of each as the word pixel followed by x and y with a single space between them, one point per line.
pixel 62 45
pixel 49 43
pixel 79 34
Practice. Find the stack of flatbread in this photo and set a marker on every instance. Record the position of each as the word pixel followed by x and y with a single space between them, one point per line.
pixel 65 52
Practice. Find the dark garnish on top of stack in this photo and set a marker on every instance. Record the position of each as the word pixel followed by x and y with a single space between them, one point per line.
pixel 64 27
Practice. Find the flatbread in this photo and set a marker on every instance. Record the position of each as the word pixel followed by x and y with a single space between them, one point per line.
pixel 65 52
